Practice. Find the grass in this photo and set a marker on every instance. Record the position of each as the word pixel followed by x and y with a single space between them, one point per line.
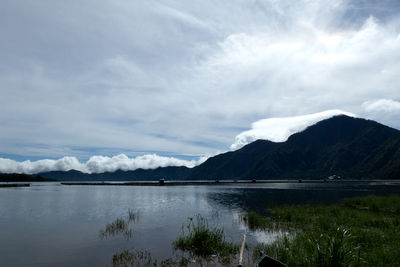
pixel 120 226
pixel 143 258
pixel 133 216
pixel 389 204
pixel 360 232
pixel 314 249
pixel 206 246
pixel 204 242
pixel 133 258
pixel 255 221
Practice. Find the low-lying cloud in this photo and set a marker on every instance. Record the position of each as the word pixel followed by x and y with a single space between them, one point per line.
pixel 279 129
pixel 386 111
pixel 96 164
pixel 382 105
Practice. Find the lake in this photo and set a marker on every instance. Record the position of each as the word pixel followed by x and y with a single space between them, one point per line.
pixel 49 224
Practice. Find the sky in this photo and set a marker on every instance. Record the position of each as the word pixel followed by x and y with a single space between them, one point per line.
pixel 104 85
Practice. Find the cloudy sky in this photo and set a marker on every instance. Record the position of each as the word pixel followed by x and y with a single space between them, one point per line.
pixel 176 80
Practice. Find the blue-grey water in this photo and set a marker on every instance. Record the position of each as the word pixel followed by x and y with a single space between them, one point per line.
pixel 49 224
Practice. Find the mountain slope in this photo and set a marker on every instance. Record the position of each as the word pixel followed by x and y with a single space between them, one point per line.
pixel 350 147
pixel 342 145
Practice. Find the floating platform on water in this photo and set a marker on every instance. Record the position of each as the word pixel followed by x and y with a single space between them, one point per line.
pixel 15 185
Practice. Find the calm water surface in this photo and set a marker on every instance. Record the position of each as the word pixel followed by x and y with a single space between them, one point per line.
pixel 49 224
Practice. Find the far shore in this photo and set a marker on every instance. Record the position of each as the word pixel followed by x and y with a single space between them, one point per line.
pixel 218 182
pixel 15 185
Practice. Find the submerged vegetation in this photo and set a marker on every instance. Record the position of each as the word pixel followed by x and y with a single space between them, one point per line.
pixel 200 244
pixel 255 221
pixel 120 226
pixel 361 231
pixel 133 258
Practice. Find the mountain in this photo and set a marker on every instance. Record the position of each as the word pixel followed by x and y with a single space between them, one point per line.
pixel 169 173
pixel 19 177
pixel 346 146
pixel 350 147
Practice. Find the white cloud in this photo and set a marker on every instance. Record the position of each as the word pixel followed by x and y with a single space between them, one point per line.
pixel 45 165
pixel 382 105
pixel 180 78
pixel 96 164
pixel 386 111
pixel 279 129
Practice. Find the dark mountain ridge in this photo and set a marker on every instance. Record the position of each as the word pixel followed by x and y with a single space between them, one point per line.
pixel 19 177
pixel 349 147
pixel 353 148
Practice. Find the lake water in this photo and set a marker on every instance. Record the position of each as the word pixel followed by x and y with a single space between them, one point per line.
pixel 49 224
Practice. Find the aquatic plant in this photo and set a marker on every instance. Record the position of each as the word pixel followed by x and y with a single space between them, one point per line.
pixel 118 227
pixel 133 216
pixel 121 226
pixel 255 221
pixel 143 258
pixel 136 258
pixel 359 232
pixel 204 242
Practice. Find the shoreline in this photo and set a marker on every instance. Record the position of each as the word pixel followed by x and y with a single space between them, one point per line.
pixel 15 185
pixel 216 182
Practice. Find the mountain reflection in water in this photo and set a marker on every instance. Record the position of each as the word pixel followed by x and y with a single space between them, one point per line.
pixel 259 197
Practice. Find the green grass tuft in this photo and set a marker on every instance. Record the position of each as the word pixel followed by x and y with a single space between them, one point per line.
pixel 255 221
pixel 204 242
pixel 360 232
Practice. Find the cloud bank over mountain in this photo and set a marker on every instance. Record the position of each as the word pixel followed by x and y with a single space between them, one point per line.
pixel 279 129
pixel 273 129
pixel 96 164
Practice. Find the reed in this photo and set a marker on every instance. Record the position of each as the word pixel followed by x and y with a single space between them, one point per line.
pixel 204 242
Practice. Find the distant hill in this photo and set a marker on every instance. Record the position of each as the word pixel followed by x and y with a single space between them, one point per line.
pixel 17 177
pixel 169 173
pixel 349 147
